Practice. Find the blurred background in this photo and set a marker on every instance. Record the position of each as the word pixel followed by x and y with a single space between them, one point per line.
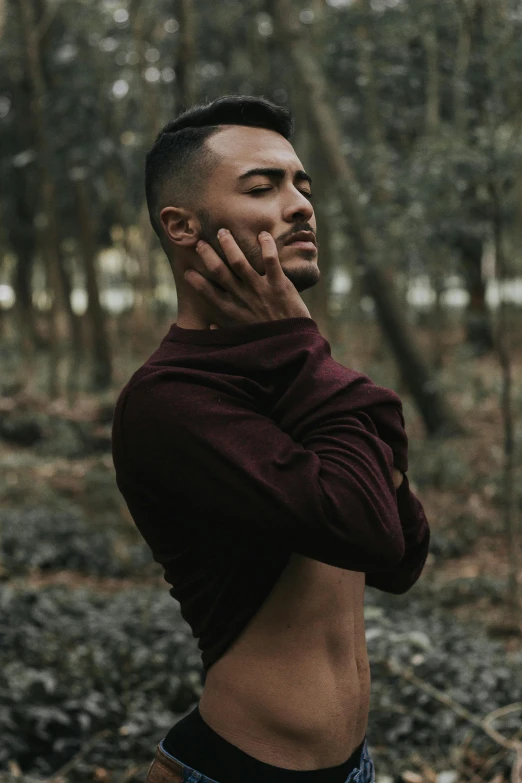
pixel 409 118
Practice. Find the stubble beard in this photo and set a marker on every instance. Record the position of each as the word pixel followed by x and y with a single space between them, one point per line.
pixel 305 276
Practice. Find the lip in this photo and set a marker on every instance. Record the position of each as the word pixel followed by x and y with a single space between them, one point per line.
pixel 302 238
pixel 302 246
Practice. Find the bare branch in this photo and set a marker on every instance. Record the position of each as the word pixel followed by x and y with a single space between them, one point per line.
pixel 444 698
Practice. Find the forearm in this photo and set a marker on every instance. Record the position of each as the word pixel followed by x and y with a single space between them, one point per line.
pixel 401 577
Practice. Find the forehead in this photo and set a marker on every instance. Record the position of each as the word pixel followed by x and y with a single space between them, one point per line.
pixel 241 148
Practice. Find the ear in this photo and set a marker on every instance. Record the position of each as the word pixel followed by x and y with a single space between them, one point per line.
pixel 181 226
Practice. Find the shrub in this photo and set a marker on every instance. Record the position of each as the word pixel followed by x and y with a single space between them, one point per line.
pixel 48 539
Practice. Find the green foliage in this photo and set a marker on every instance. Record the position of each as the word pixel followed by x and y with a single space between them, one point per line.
pixel 110 85
pixel 440 466
pixel 447 655
pixel 73 663
pixel 51 540
pixel 109 674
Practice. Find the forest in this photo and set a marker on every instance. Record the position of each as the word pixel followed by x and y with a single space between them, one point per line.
pixel 408 116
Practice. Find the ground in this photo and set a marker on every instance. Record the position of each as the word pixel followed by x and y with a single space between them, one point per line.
pixel 459 481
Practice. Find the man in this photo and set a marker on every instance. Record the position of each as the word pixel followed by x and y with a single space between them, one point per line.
pixel 268 479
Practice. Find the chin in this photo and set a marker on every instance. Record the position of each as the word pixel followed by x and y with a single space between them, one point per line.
pixel 304 276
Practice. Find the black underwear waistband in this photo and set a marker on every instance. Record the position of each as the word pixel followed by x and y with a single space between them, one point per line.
pixel 193 743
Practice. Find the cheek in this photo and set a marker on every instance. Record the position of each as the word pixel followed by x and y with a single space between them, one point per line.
pixel 252 215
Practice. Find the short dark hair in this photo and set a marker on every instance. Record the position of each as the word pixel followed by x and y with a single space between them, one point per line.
pixel 178 164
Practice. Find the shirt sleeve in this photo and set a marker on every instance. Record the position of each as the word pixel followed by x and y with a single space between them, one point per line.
pixel 223 466
pixel 400 577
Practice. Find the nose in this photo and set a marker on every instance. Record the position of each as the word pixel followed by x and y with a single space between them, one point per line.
pixel 298 208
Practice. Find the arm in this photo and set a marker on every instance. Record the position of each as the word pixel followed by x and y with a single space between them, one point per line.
pixel 346 390
pixel 200 447
pixel 401 577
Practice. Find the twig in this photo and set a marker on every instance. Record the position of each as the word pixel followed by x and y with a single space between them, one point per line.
pixel 460 752
pixel 507 710
pixel 60 774
pixel 481 723
pixel 473 777
pixel 516 772
pixel 498 756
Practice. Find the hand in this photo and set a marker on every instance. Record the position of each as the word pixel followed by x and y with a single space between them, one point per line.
pixel 398 478
pixel 244 296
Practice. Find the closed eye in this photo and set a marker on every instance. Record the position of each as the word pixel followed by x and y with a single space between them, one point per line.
pixel 258 191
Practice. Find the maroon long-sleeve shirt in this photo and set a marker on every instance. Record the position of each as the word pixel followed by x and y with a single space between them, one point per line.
pixel 235 447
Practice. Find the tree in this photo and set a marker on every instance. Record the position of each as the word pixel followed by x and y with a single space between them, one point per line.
pixel 102 365
pixel 186 56
pixel 435 412
pixel 48 195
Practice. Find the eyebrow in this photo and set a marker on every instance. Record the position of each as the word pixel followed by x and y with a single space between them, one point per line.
pixel 276 174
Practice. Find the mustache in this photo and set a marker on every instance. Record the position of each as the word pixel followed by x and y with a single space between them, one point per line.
pixel 294 230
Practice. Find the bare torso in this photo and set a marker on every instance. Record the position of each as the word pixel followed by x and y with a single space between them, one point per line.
pixel 294 688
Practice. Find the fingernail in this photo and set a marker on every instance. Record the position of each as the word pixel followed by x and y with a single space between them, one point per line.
pixel 222 232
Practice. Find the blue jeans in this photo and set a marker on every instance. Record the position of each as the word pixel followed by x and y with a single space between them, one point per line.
pixel 167 769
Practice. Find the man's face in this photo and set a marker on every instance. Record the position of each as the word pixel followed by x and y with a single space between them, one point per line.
pixel 247 203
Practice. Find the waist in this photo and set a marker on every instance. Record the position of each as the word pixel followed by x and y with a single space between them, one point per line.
pixel 297 712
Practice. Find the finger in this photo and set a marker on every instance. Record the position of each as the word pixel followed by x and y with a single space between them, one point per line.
pixel 215 266
pixel 270 256
pixel 210 290
pixel 235 256
pixel 398 478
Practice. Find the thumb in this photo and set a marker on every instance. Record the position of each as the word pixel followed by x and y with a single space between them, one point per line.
pixel 214 326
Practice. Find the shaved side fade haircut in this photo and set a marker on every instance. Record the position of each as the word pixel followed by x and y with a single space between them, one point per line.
pixel 178 164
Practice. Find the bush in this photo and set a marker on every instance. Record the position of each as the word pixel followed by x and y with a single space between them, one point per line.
pixel 73 663
pixel 48 539
pixel 459 659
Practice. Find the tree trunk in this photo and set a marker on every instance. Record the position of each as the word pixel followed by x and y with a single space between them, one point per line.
pixel 317 297
pixel 75 331
pixel 185 83
pixel 142 25
pixel 102 365
pixel 437 416
pixel 438 321
pixel 431 47
pixel 2 16
pixel 459 77
pixel 365 47
pixel 374 123
pixel 479 333
pixel 51 243
pixel 510 505
pixel 24 246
